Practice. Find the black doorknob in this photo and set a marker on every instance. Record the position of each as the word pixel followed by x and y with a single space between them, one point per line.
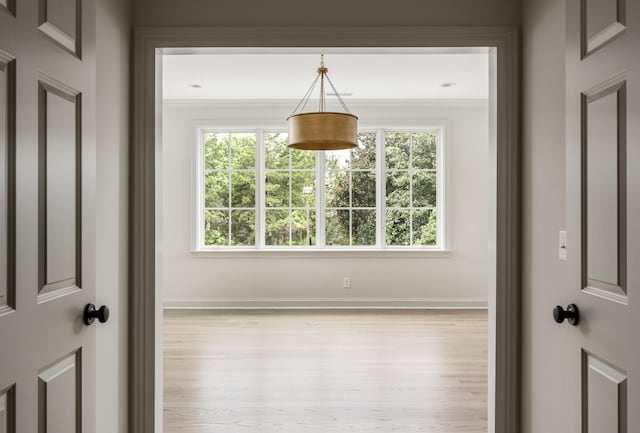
pixel 91 314
pixel 571 314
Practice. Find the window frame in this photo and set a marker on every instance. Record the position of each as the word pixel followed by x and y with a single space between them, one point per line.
pixel 230 170
pixel 443 228
pixel 262 192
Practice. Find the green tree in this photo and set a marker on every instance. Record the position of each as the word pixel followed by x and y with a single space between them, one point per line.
pixel 351 182
pixel 425 228
pixel 229 196
pixel 410 164
pixel 287 174
pixel 350 191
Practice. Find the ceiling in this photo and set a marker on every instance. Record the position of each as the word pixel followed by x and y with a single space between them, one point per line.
pixel 287 75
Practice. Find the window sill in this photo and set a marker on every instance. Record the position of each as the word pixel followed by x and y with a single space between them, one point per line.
pixel 321 254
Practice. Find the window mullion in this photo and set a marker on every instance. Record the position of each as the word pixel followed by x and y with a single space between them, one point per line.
pixel 351 198
pixel 381 186
pixel 410 189
pixel 260 190
pixel 320 201
pixel 230 180
pixel 290 198
pixel 200 205
pixel 440 198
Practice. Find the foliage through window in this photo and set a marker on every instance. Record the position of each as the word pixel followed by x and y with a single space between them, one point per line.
pixel 230 189
pixel 350 180
pixel 259 194
pixel 411 185
pixel 290 193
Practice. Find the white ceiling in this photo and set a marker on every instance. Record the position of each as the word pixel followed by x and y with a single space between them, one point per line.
pixel 288 75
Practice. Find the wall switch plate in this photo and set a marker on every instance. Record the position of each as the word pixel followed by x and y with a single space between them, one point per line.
pixel 346 283
pixel 562 245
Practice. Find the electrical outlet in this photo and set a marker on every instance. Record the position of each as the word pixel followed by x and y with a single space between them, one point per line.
pixel 562 245
pixel 346 283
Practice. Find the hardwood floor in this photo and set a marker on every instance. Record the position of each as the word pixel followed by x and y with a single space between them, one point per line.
pixel 360 371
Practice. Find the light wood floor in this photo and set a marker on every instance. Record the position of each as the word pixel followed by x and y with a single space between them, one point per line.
pixel 303 371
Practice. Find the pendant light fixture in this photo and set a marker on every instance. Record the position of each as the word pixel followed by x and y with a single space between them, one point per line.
pixel 322 130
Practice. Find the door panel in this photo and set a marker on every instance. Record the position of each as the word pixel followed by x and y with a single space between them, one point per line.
pixel 8 6
pixel 59 20
pixel 59 396
pixel 59 155
pixel 4 183
pixel 7 412
pixel 602 20
pixel 47 354
pixel 7 181
pixel 604 396
pixel 603 210
pixel 603 190
pixel 3 413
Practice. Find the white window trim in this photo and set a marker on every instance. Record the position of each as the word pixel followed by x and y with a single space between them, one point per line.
pixel 443 201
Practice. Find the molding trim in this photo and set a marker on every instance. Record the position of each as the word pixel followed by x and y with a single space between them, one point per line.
pixel 323 303
pixel 70 43
pixel 292 49
pixel 143 303
pixel 287 103
pixel 8 6
pixel 8 69
pixel 290 253
pixel 47 86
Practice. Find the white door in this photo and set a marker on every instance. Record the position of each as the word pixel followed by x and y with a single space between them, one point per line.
pixel 47 218
pixel 603 214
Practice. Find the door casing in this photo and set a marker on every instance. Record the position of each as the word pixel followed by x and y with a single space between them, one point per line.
pixel 504 358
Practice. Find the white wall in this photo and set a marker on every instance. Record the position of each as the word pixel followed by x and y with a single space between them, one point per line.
pixel 113 26
pixel 461 279
pixel 543 216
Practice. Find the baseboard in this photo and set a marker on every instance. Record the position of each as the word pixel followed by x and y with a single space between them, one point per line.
pixel 319 303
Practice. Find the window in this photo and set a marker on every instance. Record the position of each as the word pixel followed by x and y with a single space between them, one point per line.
pixel 290 193
pixel 256 193
pixel 351 194
pixel 411 188
pixel 230 189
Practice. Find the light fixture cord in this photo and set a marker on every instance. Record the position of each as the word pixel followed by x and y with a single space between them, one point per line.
pixel 338 95
pixel 305 98
pixel 322 103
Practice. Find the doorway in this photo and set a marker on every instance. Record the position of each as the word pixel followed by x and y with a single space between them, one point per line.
pixel 399 223
pixel 503 353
